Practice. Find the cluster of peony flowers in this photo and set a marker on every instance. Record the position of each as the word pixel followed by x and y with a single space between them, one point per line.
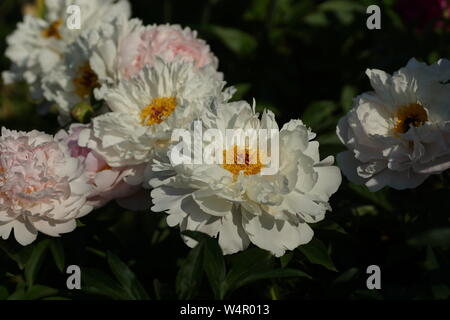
pixel 147 81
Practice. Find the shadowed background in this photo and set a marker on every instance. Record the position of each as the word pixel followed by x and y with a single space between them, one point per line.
pixel 301 59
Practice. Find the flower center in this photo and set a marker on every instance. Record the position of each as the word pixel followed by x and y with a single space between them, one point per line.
pixel 412 114
pixel 158 110
pixel 52 30
pixel 104 168
pixel 243 160
pixel 30 189
pixel 2 176
pixel 85 81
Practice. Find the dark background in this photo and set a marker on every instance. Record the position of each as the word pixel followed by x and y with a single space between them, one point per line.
pixel 301 59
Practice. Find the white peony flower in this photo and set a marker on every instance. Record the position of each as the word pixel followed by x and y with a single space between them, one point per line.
pixel 234 201
pixel 38 44
pixel 42 188
pixel 118 50
pixel 399 134
pixel 146 108
pixel 89 65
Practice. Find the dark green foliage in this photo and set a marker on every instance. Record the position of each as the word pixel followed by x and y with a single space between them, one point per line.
pixel 301 59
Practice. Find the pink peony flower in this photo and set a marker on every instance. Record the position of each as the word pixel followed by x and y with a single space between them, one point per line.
pixel 119 50
pixel 425 12
pixel 169 42
pixel 42 188
pixel 107 183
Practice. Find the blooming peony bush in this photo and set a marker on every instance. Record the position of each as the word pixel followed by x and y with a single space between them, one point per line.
pixel 126 100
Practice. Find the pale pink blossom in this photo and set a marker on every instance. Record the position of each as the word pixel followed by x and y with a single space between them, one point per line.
pixel 108 183
pixel 42 188
pixel 167 41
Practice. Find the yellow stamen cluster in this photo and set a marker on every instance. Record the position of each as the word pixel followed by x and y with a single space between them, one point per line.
pixel 30 189
pixel 412 114
pixel 104 168
pixel 2 177
pixel 158 110
pixel 52 30
pixel 243 160
pixel 85 81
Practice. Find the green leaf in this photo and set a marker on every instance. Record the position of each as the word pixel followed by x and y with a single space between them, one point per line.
pixel 35 261
pixel 316 19
pixel 286 258
pixel 157 289
pixel 39 291
pixel 348 93
pixel 316 252
pixel 126 278
pixel 277 273
pixel 329 138
pixel 241 90
pixel 257 11
pixel 57 250
pixel 435 275
pixel 41 9
pixel 3 293
pixel 213 262
pixel 19 293
pixel 190 275
pixel 34 292
pixel 252 265
pixel 367 210
pixel 319 115
pixel 239 42
pixel 431 262
pixel 329 225
pixel 17 252
pixel 82 112
pixel 434 238
pixel 379 198
pixel 98 283
pixel 245 264
pixel 343 9
pixel 347 276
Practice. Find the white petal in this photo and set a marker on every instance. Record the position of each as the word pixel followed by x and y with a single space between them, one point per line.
pixel 276 236
pixel 232 236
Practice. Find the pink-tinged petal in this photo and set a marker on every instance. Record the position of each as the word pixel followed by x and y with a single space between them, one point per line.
pixel 41 184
